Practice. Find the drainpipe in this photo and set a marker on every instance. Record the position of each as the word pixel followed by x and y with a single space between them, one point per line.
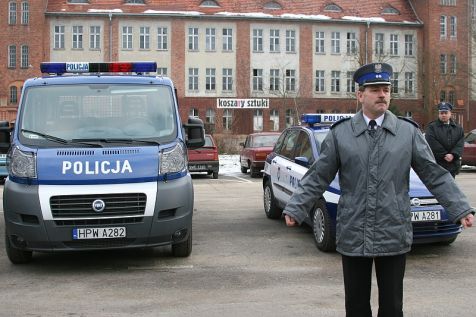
pixel 110 36
pixel 367 42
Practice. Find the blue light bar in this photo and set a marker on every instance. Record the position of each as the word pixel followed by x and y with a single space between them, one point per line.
pixel 84 67
pixel 323 118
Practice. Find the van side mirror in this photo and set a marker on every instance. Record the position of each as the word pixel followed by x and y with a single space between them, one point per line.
pixel 195 133
pixel 4 136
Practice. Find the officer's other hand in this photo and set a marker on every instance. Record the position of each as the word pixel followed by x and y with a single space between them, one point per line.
pixel 449 157
pixel 467 221
pixel 290 221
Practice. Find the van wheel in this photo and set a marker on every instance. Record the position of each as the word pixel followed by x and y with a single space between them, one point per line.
pixel 17 256
pixel 271 210
pixel 324 234
pixel 183 249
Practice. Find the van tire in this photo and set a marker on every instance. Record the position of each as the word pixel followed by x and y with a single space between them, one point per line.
pixel 271 210
pixel 183 249
pixel 17 256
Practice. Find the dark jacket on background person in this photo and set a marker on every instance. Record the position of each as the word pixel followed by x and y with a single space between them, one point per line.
pixel 373 214
pixel 444 139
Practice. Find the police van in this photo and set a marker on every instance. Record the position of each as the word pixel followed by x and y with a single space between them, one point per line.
pixel 98 160
pixel 298 148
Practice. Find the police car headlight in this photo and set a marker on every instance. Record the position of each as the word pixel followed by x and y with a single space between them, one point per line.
pixel 173 160
pixel 21 164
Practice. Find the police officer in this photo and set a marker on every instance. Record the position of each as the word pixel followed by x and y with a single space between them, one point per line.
pixel 373 152
pixel 446 139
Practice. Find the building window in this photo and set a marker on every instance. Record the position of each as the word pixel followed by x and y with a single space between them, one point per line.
pixel 442 95
pixel 134 1
pixel 25 13
pixel 453 64
pixel 290 80
pixel 332 7
pixel 12 56
pixel 162 71
pixel 227 119
pixel 210 39
pixel 320 47
pixel 379 41
pixel 12 13
pixel 409 83
pixel 408 45
pixel 443 27
pixel 272 5
pixel 210 79
pixel 390 10
pixel 193 112
pixel 25 59
pixel 393 44
pixel 320 87
pixel 13 98
pixel 227 40
pixel 453 26
pixel 448 2
pixel 209 4
pixel 395 83
pixel 94 37
pixel 127 37
pixel 274 80
pixel 210 116
pixel 443 64
pixel 274 119
pixel 351 43
pixel 162 38
pixel 451 97
pixel 77 37
pixel 258 120
pixel 193 79
pixel 289 118
pixel 144 37
pixel 290 41
pixel 78 1
pixel 193 39
pixel 257 40
pixel 227 84
pixel 335 42
pixel 59 37
pixel 350 82
pixel 335 81
pixel 257 79
pixel 274 40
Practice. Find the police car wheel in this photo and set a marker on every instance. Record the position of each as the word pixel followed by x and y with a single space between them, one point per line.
pixel 322 228
pixel 17 256
pixel 183 249
pixel 271 210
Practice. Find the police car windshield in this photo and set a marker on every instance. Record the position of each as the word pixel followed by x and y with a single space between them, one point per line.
pixel 97 112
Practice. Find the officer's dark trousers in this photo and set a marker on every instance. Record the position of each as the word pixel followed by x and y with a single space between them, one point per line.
pixel 358 281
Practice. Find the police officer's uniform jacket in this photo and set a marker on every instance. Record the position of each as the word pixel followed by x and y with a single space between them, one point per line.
pixel 373 214
pixel 443 139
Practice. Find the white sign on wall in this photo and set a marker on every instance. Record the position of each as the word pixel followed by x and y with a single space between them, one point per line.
pixel 257 103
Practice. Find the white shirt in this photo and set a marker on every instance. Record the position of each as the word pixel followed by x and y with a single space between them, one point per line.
pixel 379 120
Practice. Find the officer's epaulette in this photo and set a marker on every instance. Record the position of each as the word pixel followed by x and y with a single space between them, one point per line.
pixel 409 120
pixel 339 122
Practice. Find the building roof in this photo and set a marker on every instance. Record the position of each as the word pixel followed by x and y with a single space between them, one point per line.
pixel 380 11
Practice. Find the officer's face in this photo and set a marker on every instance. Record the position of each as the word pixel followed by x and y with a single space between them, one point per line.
pixel 444 116
pixel 375 99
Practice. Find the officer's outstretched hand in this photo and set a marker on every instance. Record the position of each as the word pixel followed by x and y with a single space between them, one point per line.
pixel 290 221
pixel 467 221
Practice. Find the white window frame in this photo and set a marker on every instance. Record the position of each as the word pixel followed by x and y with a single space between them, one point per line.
pixel 335 43
pixel 274 41
pixel 12 56
pixel 394 44
pixel 12 13
pixel 351 45
pixel 25 13
pixel 274 79
pixel 210 79
pixel 24 56
pixel 193 39
pixel 443 26
pixel 227 119
pixel 77 37
pixel 320 37
pixel 258 120
pixel 409 41
pixel 95 37
pixel 193 79
pixel 453 27
pixel 290 41
pixel 320 81
pixel 409 83
pixel 257 40
pixel 274 119
pixel 227 79
pixel 127 37
pixel 59 36
pixel 290 78
pixel 257 79
pixel 227 44
pixel 210 39
pixel 162 38
pixel 144 37
pixel 335 81
pixel 379 43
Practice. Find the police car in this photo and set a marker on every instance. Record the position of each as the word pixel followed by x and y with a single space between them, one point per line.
pixel 298 147
pixel 98 160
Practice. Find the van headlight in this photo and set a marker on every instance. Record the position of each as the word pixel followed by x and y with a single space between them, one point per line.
pixel 21 164
pixel 173 159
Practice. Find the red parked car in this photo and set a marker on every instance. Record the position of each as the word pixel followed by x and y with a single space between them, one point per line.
pixel 469 152
pixel 204 159
pixel 255 149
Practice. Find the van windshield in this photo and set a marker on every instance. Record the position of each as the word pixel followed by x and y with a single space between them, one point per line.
pixel 95 112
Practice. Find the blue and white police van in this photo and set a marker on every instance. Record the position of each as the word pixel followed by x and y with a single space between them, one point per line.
pixel 298 148
pixel 98 160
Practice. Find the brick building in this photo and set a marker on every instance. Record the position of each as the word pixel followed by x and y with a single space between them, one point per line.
pixel 284 57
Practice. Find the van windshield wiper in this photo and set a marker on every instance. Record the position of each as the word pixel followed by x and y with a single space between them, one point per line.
pixel 55 138
pixel 117 140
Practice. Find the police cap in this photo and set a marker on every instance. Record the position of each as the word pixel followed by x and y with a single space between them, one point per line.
pixel 444 106
pixel 373 74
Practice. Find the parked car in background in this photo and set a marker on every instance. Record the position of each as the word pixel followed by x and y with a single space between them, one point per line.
pixel 5 129
pixel 204 159
pixel 469 152
pixel 298 147
pixel 255 149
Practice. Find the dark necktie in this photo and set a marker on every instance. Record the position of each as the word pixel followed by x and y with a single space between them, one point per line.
pixel 372 127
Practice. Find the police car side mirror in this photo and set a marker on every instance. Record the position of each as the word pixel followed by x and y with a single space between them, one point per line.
pixel 4 136
pixel 301 160
pixel 195 133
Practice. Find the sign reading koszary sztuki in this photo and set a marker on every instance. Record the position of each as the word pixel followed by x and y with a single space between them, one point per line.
pixel 242 103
